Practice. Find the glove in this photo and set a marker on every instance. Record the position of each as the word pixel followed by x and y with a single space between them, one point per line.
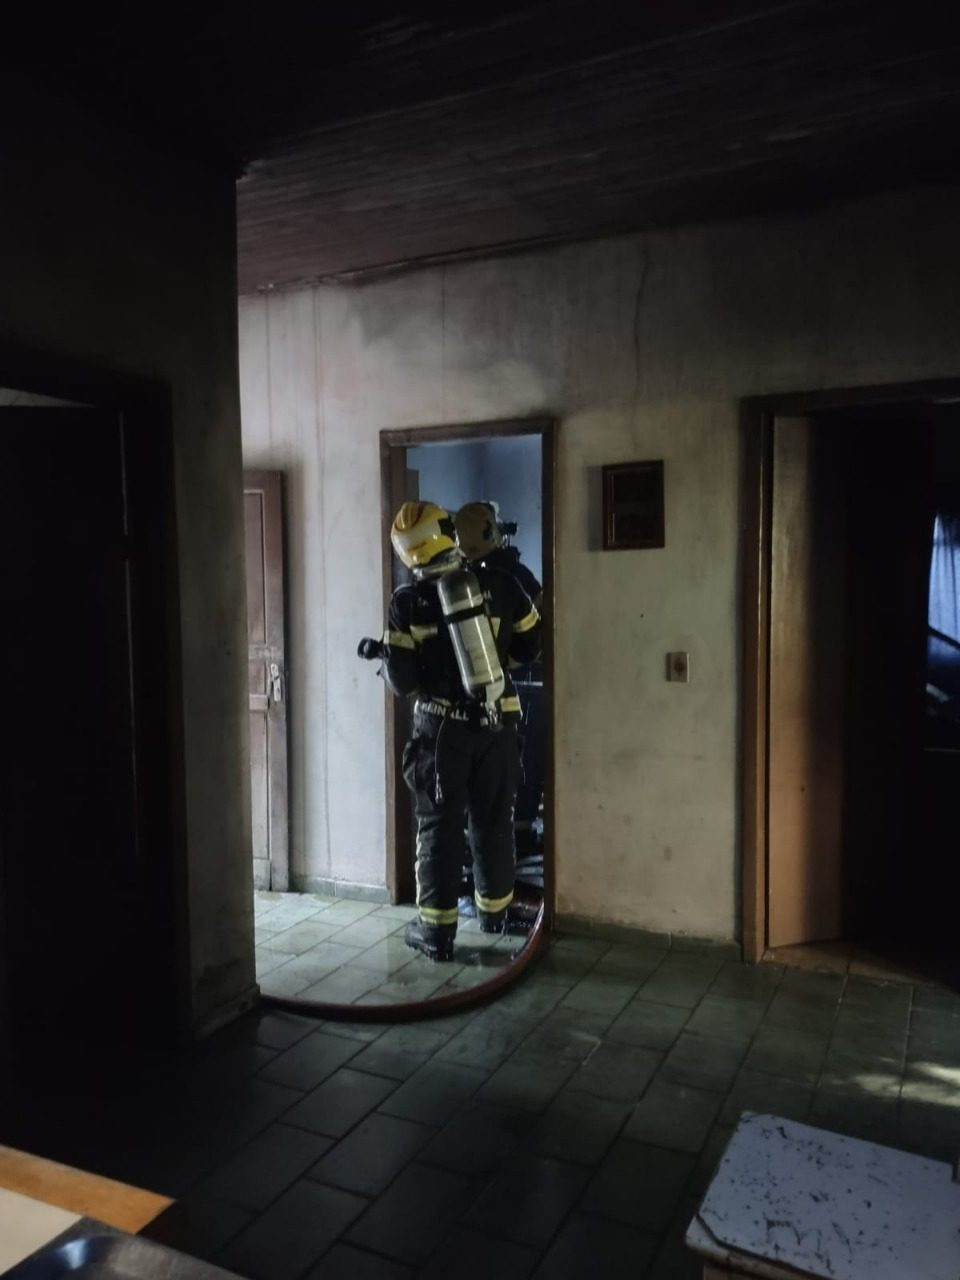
pixel 370 649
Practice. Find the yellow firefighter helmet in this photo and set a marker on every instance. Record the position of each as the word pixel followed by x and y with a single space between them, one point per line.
pixel 421 531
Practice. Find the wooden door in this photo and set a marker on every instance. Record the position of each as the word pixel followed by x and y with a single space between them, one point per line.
pixel 806 699
pixel 263 524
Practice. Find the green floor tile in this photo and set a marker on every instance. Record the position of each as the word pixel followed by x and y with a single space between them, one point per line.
pixel 674 1116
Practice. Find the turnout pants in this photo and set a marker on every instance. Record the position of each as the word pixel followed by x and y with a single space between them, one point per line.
pixel 454 769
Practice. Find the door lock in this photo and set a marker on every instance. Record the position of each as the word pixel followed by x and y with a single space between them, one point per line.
pixel 276 683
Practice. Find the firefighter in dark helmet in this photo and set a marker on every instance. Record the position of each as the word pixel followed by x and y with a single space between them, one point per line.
pixel 450 634
pixel 481 538
pixel 484 540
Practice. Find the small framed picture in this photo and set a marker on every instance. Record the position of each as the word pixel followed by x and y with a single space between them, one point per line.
pixel 633 506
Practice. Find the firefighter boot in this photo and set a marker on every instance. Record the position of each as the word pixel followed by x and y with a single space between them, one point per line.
pixel 493 921
pixel 435 941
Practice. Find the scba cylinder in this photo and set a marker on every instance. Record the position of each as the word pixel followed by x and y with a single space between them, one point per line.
pixel 465 613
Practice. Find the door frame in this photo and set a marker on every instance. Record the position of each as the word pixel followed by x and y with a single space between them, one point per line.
pixel 145 412
pixel 394 444
pixel 758 416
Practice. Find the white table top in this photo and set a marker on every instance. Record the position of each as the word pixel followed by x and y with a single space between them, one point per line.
pixel 27 1225
pixel 824 1205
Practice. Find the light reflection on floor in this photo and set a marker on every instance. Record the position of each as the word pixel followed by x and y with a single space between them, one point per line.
pixel 347 951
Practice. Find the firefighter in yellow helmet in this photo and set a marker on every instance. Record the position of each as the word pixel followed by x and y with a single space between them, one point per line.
pixel 449 635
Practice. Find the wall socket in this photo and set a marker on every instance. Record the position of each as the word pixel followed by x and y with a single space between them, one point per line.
pixel 678 667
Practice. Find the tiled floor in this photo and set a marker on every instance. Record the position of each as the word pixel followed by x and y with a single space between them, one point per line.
pixel 567 1129
pixel 345 951
pixel 850 957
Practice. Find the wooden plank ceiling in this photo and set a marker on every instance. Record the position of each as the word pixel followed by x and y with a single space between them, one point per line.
pixel 367 138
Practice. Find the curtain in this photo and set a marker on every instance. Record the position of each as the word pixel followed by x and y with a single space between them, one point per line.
pixel 944 612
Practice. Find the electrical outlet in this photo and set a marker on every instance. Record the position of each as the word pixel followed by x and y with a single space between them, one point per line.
pixel 678 667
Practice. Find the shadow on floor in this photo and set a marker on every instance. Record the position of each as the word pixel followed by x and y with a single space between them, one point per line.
pixel 568 1129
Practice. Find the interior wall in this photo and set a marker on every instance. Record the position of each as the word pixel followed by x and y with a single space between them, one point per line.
pixel 449 474
pixel 120 262
pixel 642 346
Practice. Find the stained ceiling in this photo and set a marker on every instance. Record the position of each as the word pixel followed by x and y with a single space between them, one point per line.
pixel 368 137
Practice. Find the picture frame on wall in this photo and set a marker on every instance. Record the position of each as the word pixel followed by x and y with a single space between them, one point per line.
pixel 633 512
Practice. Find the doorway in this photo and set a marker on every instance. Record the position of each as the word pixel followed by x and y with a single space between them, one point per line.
pixel 851 746
pixel 337 949
pixel 91 802
pixel 512 463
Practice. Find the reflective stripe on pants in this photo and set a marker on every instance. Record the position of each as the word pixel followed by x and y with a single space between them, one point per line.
pixel 463 771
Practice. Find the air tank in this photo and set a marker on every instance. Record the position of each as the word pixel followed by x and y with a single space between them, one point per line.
pixel 467 620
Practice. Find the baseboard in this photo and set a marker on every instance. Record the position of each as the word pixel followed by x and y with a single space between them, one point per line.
pixel 637 937
pixel 228 1012
pixel 339 888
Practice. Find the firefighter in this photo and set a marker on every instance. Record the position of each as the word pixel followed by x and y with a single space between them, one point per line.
pixel 450 634
pixel 480 537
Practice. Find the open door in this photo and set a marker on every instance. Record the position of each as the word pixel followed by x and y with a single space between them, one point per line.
pixel 263 525
pixel 807 646
pixel 839 527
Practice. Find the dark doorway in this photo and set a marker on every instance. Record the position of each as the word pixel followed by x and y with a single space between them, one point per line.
pixel 859 759
pixel 88 844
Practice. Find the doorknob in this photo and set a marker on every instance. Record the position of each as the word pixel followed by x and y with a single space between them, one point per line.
pixel 276 683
